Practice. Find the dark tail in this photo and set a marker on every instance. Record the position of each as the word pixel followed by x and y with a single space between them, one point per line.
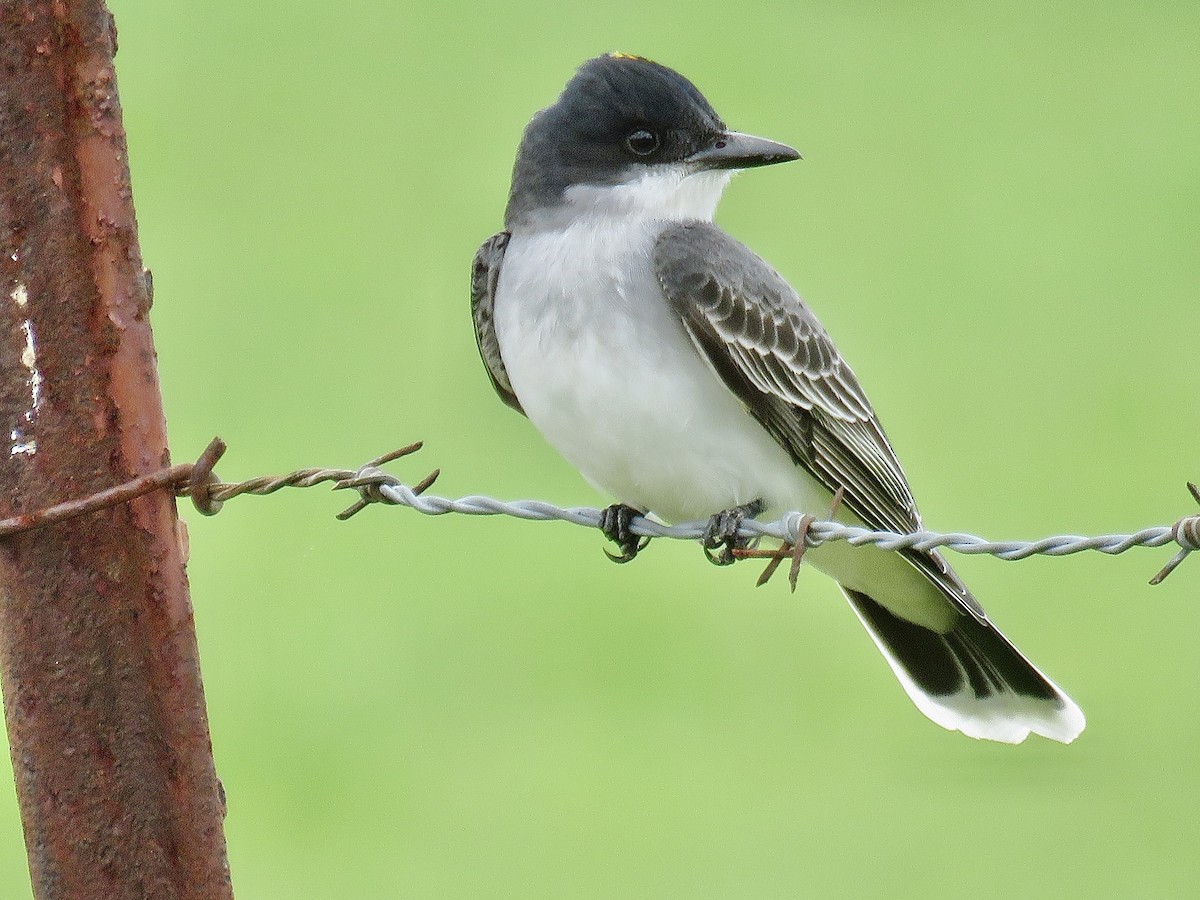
pixel 970 679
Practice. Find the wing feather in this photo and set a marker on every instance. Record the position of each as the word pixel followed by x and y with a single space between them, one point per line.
pixel 485 273
pixel 803 391
pixel 775 356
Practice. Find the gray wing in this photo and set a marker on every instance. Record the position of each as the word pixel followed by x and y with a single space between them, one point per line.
pixel 485 273
pixel 773 354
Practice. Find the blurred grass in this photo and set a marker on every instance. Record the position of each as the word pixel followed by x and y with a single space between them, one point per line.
pixel 997 218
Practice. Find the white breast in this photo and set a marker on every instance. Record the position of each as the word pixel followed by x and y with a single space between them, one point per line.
pixel 607 373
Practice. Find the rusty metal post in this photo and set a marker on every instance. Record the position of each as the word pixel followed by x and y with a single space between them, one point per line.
pixel 102 691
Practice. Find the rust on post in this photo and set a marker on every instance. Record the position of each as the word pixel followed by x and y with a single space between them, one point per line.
pixel 102 692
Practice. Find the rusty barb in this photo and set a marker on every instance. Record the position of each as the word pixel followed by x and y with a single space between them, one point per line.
pixel 789 550
pixel 797 533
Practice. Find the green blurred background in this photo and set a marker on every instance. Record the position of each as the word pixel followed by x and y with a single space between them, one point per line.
pixel 997 218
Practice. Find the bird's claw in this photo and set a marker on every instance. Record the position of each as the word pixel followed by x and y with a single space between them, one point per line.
pixel 722 532
pixel 614 524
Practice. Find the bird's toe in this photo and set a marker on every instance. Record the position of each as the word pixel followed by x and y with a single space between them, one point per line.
pixel 614 524
pixel 722 536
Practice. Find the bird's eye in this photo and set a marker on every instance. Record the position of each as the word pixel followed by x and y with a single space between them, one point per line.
pixel 641 142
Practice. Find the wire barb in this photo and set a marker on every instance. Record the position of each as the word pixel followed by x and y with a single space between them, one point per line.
pixel 1186 533
pixel 368 480
pixel 203 478
pixel 793 549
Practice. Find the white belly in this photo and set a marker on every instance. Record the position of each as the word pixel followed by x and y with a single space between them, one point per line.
pixel 606 372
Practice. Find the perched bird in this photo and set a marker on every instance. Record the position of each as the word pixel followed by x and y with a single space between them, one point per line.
pixel 680 373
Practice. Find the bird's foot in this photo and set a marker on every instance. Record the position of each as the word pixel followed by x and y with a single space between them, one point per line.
pixel 614 523
pixel 722 532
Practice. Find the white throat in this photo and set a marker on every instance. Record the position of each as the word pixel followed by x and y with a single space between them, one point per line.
pixel 665 194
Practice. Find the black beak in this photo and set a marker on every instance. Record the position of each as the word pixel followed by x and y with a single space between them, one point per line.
pixel 734 150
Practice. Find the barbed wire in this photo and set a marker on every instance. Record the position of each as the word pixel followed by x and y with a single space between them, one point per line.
pixel 798 532
pixel 376 486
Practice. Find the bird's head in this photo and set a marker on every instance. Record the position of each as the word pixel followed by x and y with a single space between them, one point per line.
pixel 629 137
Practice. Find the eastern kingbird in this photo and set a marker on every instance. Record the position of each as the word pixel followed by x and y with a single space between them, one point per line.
pixel 678 372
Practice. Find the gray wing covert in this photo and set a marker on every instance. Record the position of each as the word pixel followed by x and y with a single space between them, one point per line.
pixel 774 355
pixel 485 273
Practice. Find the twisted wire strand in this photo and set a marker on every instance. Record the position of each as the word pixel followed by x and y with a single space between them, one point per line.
pixel 387 490
pixel 376 486
pixel 207 492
